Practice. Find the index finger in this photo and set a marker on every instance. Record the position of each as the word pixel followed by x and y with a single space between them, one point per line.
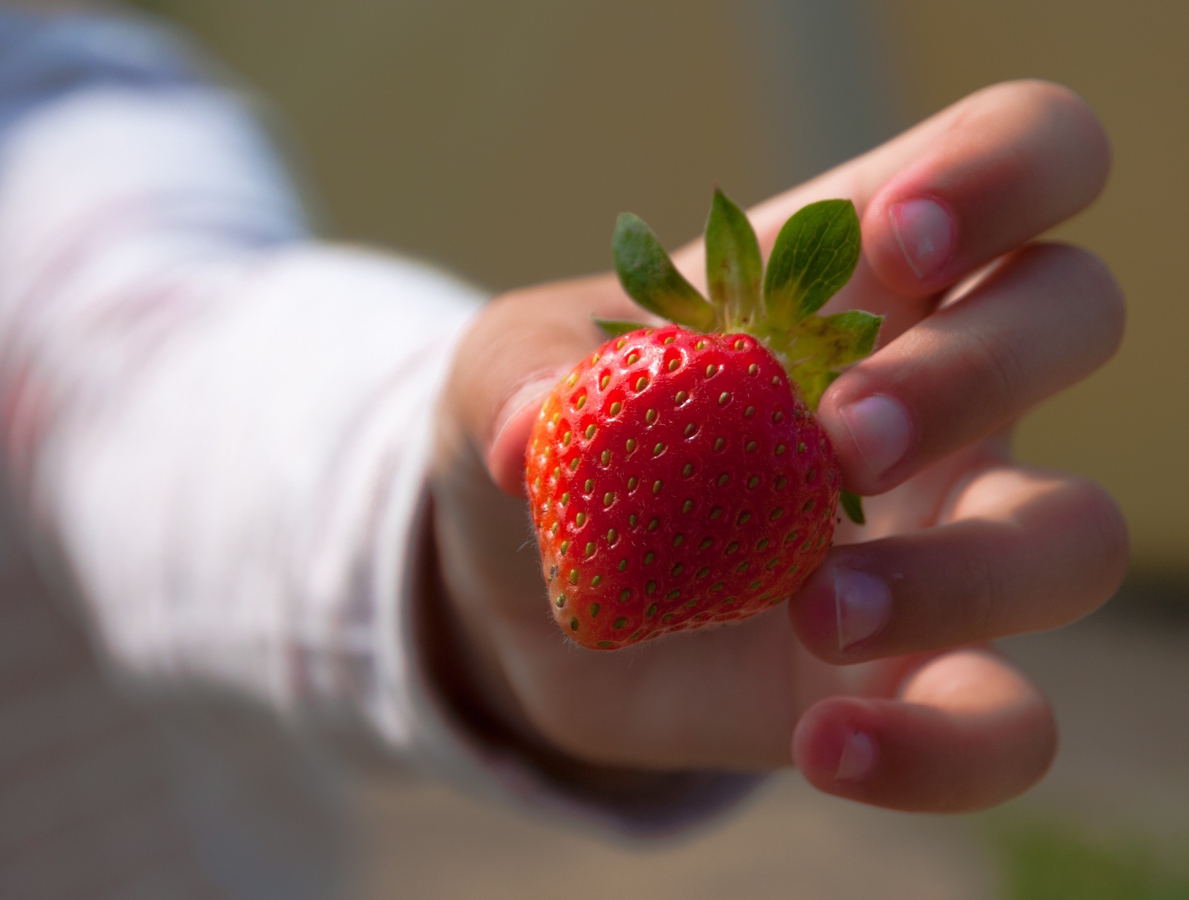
pixel 949 195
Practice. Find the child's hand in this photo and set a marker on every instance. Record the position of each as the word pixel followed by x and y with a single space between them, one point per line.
pixel 962 545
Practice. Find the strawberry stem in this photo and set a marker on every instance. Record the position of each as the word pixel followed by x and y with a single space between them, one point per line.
pixel 815 254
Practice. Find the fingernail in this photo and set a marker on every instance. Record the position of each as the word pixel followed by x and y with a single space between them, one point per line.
pixel 880 429
pixel 858 758
pixel 862 605
pixel 528 395
pixel 926 234
pixel 504 455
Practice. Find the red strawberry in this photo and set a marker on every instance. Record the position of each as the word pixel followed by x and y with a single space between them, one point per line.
pixel 678 478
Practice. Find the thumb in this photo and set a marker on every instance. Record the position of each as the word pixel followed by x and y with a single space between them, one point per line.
pixel 517 349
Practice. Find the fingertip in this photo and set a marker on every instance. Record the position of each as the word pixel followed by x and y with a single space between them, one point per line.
pixel 513 425
pixel 966 733
pixel 836 748
pixel 1014 160
pixel 872 431
pixel 910 240
pixel 839 609
pixel 814 613
pixel 910 235
pixel 1059 102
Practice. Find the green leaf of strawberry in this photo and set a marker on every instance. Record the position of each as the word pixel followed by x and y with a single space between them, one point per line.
pixel 678 477
pixel 853 504
pixel 651 279
pixel 734 269
pixel 815 254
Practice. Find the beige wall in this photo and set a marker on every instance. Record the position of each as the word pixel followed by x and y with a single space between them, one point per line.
pixel 502 139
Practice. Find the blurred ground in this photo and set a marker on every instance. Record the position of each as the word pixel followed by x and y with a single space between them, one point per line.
pixel 1111 822
pixel 1119 681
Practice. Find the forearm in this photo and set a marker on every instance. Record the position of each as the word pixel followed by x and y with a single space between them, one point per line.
pixel 212 420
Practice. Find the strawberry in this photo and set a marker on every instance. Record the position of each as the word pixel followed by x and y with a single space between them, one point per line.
pixel 677 477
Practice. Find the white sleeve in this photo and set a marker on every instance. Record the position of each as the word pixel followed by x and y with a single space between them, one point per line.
pixel 222 425
pixel 222 428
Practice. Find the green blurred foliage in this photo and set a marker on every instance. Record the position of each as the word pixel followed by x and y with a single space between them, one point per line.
pixel 1049 860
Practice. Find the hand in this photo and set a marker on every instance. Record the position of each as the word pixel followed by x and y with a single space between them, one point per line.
pixel 962 545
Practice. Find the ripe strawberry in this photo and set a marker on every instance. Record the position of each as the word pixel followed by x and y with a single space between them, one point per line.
pixel 677 477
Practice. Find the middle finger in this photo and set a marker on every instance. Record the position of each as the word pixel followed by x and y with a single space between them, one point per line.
pixel 1046 318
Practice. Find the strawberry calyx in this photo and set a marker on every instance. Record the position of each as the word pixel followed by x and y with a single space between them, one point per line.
pixel 815 254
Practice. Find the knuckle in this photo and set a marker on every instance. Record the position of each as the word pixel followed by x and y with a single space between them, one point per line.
pixel 1083 278
pixel 991 599
pixel 1103 293
pixel 1104 540
pixel 999 373
pixel 1050 96
pixel 1069 129
pixel 1055 103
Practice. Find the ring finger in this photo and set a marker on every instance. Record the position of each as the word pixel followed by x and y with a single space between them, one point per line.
pixel 1022 550
pixel 1045 318
pixel 966 731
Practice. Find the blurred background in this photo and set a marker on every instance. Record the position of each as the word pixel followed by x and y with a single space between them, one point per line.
pixel 501 139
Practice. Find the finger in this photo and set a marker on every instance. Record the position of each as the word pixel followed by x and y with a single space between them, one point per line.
pixel 511 357
pixel 1006 170
pixel 967 732
pixel 1025 551
pixel 1043 320
pixel 958 190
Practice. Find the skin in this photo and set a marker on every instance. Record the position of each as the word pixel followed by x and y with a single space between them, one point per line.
pixel 969 545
